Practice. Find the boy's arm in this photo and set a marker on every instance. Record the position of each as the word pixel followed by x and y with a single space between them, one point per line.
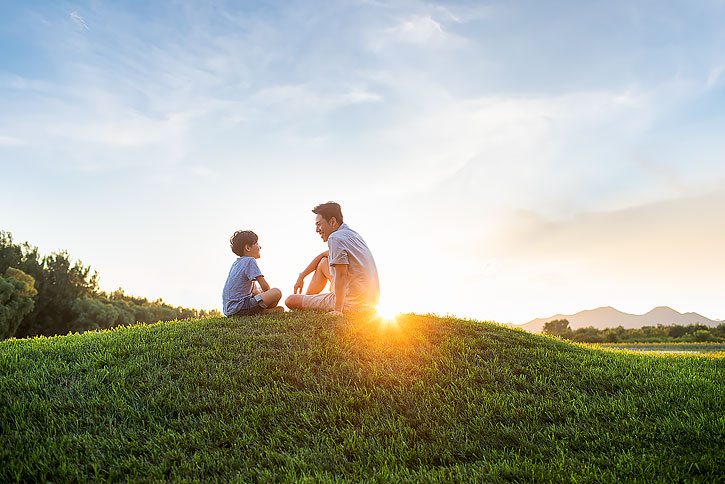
pixel 263 283
pixel 340 288
pixel 308 270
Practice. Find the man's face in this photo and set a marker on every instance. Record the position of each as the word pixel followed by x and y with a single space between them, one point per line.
pixel 325 228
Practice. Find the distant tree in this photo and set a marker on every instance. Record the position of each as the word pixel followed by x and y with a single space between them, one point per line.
pixel 702 336
pixel 59 284
pixel 16 300
pixel 589 334
pixel 557 327
pixel 97 313
pixel 66 296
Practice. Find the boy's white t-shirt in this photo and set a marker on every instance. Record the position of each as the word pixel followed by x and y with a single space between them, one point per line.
pixel 347 247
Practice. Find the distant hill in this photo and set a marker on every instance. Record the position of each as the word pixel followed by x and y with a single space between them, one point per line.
pixel 608 317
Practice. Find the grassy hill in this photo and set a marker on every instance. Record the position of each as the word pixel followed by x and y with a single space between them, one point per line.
pixel 294 396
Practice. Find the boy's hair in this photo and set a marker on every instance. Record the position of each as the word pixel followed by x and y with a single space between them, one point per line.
pixel 329 210
pixel 240 239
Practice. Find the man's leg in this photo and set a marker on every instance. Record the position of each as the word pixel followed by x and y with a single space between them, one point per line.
pixel 294 301
pixel 317 284
pixel 319 277
pixel 321 302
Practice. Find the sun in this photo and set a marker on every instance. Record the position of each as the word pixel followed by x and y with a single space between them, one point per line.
pixel 387 312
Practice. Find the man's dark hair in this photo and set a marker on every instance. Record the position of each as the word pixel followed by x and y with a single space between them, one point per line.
pixel 240 239
pixel 329 210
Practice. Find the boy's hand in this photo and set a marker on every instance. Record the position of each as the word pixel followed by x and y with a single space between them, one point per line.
pixel 299 285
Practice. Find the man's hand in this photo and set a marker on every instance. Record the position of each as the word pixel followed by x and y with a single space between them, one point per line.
pixel 335 313
pixel 299 285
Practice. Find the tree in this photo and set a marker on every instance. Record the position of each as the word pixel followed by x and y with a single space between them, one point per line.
pixel 557 327
pixel 17 290
pixel 66 296
pixel 59 284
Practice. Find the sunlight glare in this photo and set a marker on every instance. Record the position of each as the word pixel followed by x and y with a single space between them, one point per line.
pixel 387 313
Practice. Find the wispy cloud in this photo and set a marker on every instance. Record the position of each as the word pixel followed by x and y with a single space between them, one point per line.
pixel 419 30
pixel 79 21
pixel 682 236
pixel 10 141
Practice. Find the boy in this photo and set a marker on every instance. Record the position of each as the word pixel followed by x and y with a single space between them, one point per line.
pixel 240 295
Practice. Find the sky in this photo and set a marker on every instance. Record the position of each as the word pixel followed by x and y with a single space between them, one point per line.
pixel 503 160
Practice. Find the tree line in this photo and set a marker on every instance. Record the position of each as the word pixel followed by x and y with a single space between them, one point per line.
pixel 691 333
pixel 50 294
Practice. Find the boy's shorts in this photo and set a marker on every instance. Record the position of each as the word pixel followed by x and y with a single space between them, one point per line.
pixel 251 304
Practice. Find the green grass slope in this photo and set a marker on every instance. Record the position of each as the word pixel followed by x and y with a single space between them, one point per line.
pixel 303 397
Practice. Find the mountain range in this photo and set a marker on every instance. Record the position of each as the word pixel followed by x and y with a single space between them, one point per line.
pixel 608 317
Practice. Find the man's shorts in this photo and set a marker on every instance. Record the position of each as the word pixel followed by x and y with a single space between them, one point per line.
pixel 323 302
pixel 251 304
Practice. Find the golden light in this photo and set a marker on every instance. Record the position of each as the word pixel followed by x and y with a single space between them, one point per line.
pixel 387 313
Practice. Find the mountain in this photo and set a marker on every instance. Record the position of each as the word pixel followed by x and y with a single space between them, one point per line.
pixel 608 317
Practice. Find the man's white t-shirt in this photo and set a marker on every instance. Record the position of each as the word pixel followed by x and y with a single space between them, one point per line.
pixel 363 288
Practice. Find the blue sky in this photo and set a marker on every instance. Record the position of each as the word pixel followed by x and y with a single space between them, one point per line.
pixel 504 160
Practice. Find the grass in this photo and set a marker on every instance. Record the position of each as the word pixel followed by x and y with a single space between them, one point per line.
pixel 302 397
pixel 679 348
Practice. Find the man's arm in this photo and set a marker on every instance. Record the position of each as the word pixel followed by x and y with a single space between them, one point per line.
pixel 340 288
pixel 308 270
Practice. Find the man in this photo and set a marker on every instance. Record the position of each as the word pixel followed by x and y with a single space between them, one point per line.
pixel 347 264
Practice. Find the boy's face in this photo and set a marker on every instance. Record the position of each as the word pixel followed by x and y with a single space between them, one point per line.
pixel 252 250
pixel 324 227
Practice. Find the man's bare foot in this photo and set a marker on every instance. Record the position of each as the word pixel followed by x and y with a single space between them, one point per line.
pixel 276 309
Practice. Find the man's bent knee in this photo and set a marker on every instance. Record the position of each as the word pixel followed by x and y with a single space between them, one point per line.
pixel 293 301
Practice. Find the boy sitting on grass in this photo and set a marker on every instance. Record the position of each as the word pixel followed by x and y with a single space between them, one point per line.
pixel 241 296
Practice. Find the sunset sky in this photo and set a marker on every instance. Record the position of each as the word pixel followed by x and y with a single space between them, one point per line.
pixel 503 160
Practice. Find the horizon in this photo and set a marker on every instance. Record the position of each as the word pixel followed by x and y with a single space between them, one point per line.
pixel 503 161
pixel 623 312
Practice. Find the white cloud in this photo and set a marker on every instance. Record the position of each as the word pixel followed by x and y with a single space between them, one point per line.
pixel 418 30
pixel 682 236
pixel 300 101
pixel 714 76
pixel 80 21
pixel 23 84
pixel 509 142
pixel 204 171
pixel 10 141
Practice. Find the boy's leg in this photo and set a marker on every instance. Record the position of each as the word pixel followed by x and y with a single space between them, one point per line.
pixel 271 298
pixel 320 277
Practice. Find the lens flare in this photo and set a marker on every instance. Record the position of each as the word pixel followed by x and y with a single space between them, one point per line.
pixel 387 313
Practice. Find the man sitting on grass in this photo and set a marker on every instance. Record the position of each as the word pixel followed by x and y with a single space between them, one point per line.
pixel 348 265
pixel 241 296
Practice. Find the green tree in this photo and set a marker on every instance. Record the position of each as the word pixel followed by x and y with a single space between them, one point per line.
pixel 557 327
pixel 16 300
pixel 68 298
pixel 60 283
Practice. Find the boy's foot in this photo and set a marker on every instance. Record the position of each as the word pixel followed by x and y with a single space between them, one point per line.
pixel 276 309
